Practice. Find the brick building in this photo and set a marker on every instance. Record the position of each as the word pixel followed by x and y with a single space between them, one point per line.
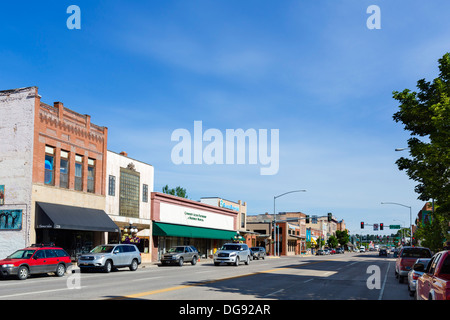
pixel 53 174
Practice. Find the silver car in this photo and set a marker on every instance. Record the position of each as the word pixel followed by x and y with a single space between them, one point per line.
pixel 109 256
pixel 413 275
pixel 233 253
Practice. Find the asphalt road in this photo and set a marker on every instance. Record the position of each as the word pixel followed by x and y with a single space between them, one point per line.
pixel 334 277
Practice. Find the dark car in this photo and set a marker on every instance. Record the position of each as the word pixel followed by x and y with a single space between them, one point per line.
pixel 258 253
pixel 36 259
pixel 382 252
pixel 180 254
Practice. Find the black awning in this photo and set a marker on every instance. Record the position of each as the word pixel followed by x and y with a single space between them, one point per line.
pixel 57 216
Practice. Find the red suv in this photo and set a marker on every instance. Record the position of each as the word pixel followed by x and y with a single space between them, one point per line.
pixel 34 260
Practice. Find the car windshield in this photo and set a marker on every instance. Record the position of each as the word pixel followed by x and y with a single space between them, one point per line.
pixel 416 253
pixel 22 254
pixel 102 249
pixel 231 247
pixel 177 249
pixel 254 249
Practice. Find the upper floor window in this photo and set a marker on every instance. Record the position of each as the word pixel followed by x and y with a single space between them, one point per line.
pixel 64 169
pixel 49 166
pixel 129 193
pixel 91 176
pixel 112 186
pixel 145 193
pixel 78 173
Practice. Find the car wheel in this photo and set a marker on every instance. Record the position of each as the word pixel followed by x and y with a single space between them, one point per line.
pixel 194 261
pixel 248 260
pixel 23 273
pixel 60 270
pixel 180 262
pixel 236 263
pixel 133 265
pixel 108 266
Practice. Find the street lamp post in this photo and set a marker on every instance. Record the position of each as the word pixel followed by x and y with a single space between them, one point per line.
pixel 276 248
pixel 410 216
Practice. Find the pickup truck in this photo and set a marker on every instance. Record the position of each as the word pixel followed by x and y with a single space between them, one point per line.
pixel 434 284
pixel 406 258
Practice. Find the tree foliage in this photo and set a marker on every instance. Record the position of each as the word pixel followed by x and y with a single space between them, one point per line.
pixel 426 115
pixel 178 191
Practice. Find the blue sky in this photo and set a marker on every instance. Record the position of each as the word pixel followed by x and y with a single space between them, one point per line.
pixel 311 69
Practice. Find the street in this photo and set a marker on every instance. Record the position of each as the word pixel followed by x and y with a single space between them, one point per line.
pixel 349 276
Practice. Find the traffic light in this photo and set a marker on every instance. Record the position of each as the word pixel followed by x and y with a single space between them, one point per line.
pixel 307 218
pixel 381 226
pixel 330 215
pixel 362 225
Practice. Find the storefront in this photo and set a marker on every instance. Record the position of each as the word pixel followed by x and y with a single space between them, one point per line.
pixel 75 229
pixel 179 221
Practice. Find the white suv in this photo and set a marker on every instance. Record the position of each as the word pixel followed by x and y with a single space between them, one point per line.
pixel 233 253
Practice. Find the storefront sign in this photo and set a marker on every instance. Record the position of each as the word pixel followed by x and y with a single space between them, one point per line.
pixel 222 204
pixel 195 216
pixel 176 214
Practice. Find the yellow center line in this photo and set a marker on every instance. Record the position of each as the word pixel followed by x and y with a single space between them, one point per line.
pixel 202 283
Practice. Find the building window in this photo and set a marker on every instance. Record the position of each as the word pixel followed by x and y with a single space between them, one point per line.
pixel 145 193
pixel 129 193
pixel 64 170
pixel 242 220
pixel 112 186
pixel 49 178
pixel 91 176
pixel 78 173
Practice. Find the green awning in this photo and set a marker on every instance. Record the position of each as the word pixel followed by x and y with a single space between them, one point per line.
pixel 175 230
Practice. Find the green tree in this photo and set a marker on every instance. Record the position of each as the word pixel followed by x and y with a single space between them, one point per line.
pixel 332 241
pixel 426 115
pixel 342 237
pixel 178 191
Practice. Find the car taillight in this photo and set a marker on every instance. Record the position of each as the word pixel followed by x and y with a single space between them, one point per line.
pixel 415 276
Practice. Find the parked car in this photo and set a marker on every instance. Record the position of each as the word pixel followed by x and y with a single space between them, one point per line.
pixel 180 254
pixel 406 258
pixel 258 253
pixel 383 252
pixel 362 249
pixel 332 251
pixel 417 270
pixel 232 253
pixel 110 256
pixel 37 259
pixel 434 284
pixel 320 252
pixel 340 250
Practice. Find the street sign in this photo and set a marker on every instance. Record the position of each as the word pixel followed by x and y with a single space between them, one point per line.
pixel 394 226
pixel 375 227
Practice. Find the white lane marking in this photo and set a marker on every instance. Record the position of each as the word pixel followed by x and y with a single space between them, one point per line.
pixel 384 283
